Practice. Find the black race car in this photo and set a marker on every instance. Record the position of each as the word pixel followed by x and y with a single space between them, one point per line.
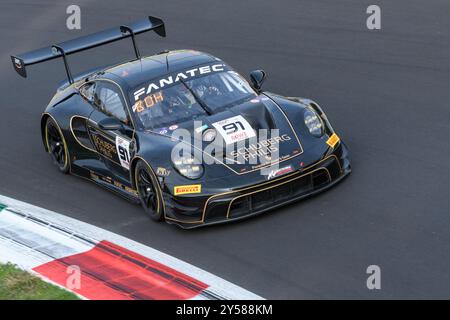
pixel 184 134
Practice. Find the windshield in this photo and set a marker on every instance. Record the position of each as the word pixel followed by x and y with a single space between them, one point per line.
pixel 220 90
pixel 191 99
pixel 167 107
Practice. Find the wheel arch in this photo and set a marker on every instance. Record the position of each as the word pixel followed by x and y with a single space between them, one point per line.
pixel 133 164
pixel 160 192
pixel 44 118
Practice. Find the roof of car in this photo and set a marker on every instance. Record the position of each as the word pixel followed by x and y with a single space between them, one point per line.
pixel 136 72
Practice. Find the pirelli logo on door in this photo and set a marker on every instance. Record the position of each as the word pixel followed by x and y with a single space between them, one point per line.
pixel 189 189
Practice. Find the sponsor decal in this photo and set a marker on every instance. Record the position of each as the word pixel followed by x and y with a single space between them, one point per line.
pixel 130 190
pixel 124 187
pixel 174 127
pixel 279 172
pixel 263 148
pixel 93 175
pixel 104 146
pixel 209 135
pixel 184 76
pixel 18 63
pixel 234 129
pixel 200 129
pixel 163 172
pixel 333 140
pixel 148 102
pixel 163 131
pixel 115 183
pixel 123 150
pixel 189 189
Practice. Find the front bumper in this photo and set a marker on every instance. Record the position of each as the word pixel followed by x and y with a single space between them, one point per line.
pixel 258 198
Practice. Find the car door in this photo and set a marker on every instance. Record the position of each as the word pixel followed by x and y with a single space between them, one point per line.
pixel 114 146
pixel 85 158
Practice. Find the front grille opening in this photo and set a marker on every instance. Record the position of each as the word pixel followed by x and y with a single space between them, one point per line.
pixel 278 194
pixel 240 206
pixel 301 185
pixel 259 200
pixel 320 178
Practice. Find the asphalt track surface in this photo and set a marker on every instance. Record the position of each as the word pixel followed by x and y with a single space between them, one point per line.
pixel 386 92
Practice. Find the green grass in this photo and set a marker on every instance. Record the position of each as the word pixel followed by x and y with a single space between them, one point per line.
pixel 16 284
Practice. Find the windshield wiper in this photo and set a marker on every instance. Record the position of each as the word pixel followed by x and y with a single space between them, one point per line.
pixel 200 102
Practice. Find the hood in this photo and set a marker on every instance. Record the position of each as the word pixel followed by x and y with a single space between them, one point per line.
pixel 248 136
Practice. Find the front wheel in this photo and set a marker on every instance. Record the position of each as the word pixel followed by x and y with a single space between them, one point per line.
pixel 146 185
pixel 56 145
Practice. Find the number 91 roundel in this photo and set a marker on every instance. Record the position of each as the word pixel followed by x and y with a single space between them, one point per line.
pixel 234 129
pixel 123 150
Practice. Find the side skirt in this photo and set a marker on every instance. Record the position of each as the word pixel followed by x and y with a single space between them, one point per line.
pixel 107 183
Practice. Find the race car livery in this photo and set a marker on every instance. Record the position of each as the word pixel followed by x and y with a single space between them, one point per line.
pixel 184 134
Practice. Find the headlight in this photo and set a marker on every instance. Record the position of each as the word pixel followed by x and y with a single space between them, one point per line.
pixel 313 122
pixel 209 135
pixel 188 167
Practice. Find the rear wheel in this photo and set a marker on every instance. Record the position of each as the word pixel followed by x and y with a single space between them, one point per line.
pixel 56 145
pixel 147 187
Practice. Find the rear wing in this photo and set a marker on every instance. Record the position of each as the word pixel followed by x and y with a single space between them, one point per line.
pixel 66 48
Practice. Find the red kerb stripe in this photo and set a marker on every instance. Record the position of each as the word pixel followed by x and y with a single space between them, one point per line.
pixel 109 271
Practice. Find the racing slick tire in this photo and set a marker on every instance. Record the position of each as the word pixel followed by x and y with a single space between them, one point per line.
pixel 148 192
pixel 56 145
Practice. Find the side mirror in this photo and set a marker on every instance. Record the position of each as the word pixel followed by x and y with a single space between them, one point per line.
pixel 110 124
pixel 257 78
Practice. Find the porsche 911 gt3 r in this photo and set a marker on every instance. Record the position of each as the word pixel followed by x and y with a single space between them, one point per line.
pixel 248 150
